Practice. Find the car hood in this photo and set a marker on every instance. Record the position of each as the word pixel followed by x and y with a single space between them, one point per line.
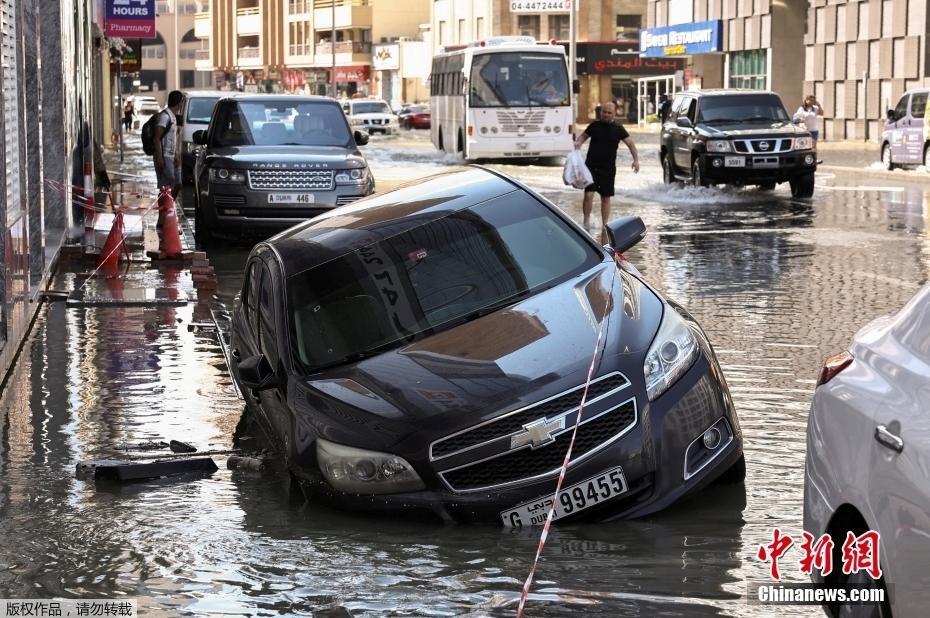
pixel 287 156
pixel 755 129
pixel 374 115
pixel 501 362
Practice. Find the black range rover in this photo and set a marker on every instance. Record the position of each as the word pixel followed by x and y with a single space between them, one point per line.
pixel 740 137
pixel 272 161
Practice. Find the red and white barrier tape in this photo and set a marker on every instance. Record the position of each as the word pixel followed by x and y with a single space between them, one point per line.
pixel 571 445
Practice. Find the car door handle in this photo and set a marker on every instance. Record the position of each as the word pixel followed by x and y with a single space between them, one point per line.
pixel 888 439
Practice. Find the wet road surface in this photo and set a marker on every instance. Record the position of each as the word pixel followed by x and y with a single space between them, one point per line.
pixel 778 284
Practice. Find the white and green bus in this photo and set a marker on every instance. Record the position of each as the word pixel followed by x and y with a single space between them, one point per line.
pixel 503 97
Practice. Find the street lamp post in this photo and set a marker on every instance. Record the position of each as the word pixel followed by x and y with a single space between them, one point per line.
pixel 332 48
pixel 572 60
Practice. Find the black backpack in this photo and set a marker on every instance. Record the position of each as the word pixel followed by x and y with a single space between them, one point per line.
pixel 148 133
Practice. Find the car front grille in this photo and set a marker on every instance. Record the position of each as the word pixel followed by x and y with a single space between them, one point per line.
pixel 229 200
pixel 513 422
pixel 342 200
pixel 293 180
pixel 528 464
pixel 514 122
pixel 762 146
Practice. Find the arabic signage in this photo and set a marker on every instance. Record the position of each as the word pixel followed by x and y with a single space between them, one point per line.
pixel 385 57
pixel 130 54
pixel 621 58
pixel 131 18
pixel 701 37
pixel 358 73
pixel 540 6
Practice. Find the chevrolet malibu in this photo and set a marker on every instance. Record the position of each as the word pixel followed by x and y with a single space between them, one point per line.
pixel 268 162
pixel 427 350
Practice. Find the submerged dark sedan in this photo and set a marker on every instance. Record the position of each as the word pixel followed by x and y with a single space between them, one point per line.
pixel 426 349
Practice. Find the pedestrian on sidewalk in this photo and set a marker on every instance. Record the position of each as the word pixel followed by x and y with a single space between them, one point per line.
pixel 165 159
pixel 807 114
pixel 606 135
pixel 129 113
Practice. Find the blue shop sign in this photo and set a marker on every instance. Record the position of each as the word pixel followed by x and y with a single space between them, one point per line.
pixel 700 37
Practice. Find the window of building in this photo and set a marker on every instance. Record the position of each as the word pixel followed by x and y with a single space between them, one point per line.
pixel 463 33
pixel 748 69
pixel 628 25
pixel 528 25
pixel 479 28
pixel 558 27
pixel 442 34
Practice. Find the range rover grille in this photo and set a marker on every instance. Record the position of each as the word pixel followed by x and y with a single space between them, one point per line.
pixel 291 180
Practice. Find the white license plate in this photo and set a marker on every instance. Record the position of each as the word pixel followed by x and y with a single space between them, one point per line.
pixel 290 198
pixel 578 497
pixel 734 161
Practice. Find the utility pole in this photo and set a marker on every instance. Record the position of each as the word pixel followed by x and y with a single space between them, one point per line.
pixel 177 50
pixel 332 47
pixel 572 60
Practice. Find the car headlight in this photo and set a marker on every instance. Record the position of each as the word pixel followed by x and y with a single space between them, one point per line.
pixel 803 143
pixel 671 354
pixel 719 145
pixel 356 122
pixel 221 174
pixel 359 471
pixel 357 176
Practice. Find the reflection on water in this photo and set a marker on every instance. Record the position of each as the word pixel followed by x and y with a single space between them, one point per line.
pixel 777 284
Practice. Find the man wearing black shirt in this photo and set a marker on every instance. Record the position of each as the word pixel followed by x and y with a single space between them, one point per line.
pixel 606 136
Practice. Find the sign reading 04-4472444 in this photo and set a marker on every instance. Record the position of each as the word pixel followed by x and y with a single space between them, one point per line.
pixel 682 40
pixel 540 6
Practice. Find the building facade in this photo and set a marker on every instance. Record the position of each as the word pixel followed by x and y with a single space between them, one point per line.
pixel 51 109
pixel 603 26
pixel 299 45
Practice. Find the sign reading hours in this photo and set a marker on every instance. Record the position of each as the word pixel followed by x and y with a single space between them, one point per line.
pixel 540 6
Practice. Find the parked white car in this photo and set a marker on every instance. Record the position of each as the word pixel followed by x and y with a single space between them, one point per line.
pixel 146 105
pixel 371 115
pixel 868 457
pixel 196 110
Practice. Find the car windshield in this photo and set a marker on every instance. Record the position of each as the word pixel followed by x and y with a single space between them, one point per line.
pixel 371 107
pixel 430 278
pixel 272 123
pixel 200 109
pixel 742 108
pixel 518 79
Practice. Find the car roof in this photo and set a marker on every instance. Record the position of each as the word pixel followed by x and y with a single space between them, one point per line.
pixel 196 94
pixel 348 228
pixel 279 98
pixel 716 92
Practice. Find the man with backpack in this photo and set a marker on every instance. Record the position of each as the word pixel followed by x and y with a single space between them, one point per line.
pixel 159 139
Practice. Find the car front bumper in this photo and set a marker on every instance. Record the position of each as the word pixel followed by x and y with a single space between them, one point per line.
pixel 759 168
pixel 651 455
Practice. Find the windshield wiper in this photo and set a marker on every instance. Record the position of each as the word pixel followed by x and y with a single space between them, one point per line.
pixel 488 309
pixel 760 118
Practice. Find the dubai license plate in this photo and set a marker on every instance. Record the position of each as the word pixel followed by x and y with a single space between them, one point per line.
pixel 290 198
pixel 578 497
pixel 734 162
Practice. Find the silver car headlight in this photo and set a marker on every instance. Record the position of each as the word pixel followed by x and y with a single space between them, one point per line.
pixel 672 352
pixel 360 471
pixel 356 122
pixel 719 145
pixel 357 176
pixel 803 143
pixel 231 176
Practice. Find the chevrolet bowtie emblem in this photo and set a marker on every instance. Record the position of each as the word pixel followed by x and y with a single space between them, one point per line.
pixel 538 433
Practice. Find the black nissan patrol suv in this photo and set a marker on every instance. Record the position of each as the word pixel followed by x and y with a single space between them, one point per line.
pixel 739 137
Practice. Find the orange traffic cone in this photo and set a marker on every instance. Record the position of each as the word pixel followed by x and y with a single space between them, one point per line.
pixel 171 234
pixel 165 202
pixel 115 244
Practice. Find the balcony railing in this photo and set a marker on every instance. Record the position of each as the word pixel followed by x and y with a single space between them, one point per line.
pixel 202 54
pixel 325 4
pixel 249 52
pixel 344 47
pixel 300 49
pixel 250 10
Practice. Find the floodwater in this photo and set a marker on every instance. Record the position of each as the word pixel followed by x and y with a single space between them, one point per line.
pixel 777 284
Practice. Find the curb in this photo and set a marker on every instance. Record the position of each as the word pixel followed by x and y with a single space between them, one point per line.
pixel 902 176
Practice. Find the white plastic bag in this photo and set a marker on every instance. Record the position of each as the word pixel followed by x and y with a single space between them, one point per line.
pixel 576 173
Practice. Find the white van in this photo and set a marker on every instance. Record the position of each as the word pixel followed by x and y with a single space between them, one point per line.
pixel 196 110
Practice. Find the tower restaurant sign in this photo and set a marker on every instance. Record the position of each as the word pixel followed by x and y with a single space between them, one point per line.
pixel 682 40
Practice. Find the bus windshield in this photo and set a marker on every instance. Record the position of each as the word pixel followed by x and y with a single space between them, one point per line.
pixel 518 79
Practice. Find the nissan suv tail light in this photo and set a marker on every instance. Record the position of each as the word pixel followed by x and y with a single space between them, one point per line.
pixel 833 365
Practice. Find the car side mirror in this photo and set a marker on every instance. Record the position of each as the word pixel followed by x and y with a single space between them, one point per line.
pixel 256 373
pixel 890 115
pixel 625 232
pixel 361 138
pixel 200 137
pixel 684 122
